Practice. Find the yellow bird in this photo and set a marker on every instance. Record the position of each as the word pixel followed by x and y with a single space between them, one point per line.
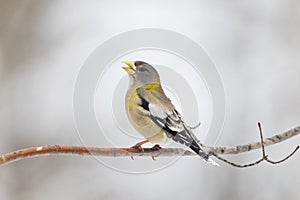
pixel 152 113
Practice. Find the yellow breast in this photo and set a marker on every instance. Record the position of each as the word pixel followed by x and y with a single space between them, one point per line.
pixel 140 120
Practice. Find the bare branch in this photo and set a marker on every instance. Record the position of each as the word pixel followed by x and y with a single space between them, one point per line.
pixel 150 152
pixel 82 151
pixel 264 156
pixel 239 165
pixel 255 145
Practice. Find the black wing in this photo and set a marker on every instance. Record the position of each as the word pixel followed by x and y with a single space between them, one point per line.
pixel 173 125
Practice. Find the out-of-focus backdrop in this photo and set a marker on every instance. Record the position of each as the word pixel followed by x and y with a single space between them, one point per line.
pixel 255 46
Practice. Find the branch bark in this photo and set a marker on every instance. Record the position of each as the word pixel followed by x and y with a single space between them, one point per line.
pixel 164 152
pixel 255 145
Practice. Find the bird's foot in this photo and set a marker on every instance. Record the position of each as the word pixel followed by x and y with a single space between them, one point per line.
pixel 138 146
pixel 156 147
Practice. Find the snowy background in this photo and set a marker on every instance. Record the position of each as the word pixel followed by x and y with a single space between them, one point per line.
pixel 255 46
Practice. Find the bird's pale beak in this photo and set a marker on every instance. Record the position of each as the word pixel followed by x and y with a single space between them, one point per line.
pixel 130 69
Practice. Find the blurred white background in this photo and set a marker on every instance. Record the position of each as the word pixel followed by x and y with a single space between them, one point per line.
pixel 255 46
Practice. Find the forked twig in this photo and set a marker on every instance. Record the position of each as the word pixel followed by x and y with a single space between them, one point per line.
pixel 264 156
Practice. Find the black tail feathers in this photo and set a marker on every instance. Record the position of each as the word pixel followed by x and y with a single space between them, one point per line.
pixel 198 150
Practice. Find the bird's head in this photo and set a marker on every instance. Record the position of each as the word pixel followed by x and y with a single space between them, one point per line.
pixel 141 73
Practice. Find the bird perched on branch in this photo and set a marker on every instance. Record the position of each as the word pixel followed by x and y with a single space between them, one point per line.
pixel 152 113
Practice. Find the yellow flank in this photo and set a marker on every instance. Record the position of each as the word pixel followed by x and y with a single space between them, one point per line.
pixel 134 99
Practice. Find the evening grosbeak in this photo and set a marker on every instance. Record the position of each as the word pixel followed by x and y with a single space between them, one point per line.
pixel 152 113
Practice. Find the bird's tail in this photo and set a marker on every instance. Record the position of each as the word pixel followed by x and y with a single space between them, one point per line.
pixel 195 146
pixel 198 150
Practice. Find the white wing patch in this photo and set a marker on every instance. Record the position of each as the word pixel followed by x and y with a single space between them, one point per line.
pixel 157 111
pixel 167 118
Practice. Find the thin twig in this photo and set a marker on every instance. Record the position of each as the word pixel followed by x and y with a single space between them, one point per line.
pixel 239 165
pixel 264 156
pixel 255 145
pixel 165 152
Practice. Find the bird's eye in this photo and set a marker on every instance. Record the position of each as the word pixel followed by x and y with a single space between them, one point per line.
pixel 142 69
